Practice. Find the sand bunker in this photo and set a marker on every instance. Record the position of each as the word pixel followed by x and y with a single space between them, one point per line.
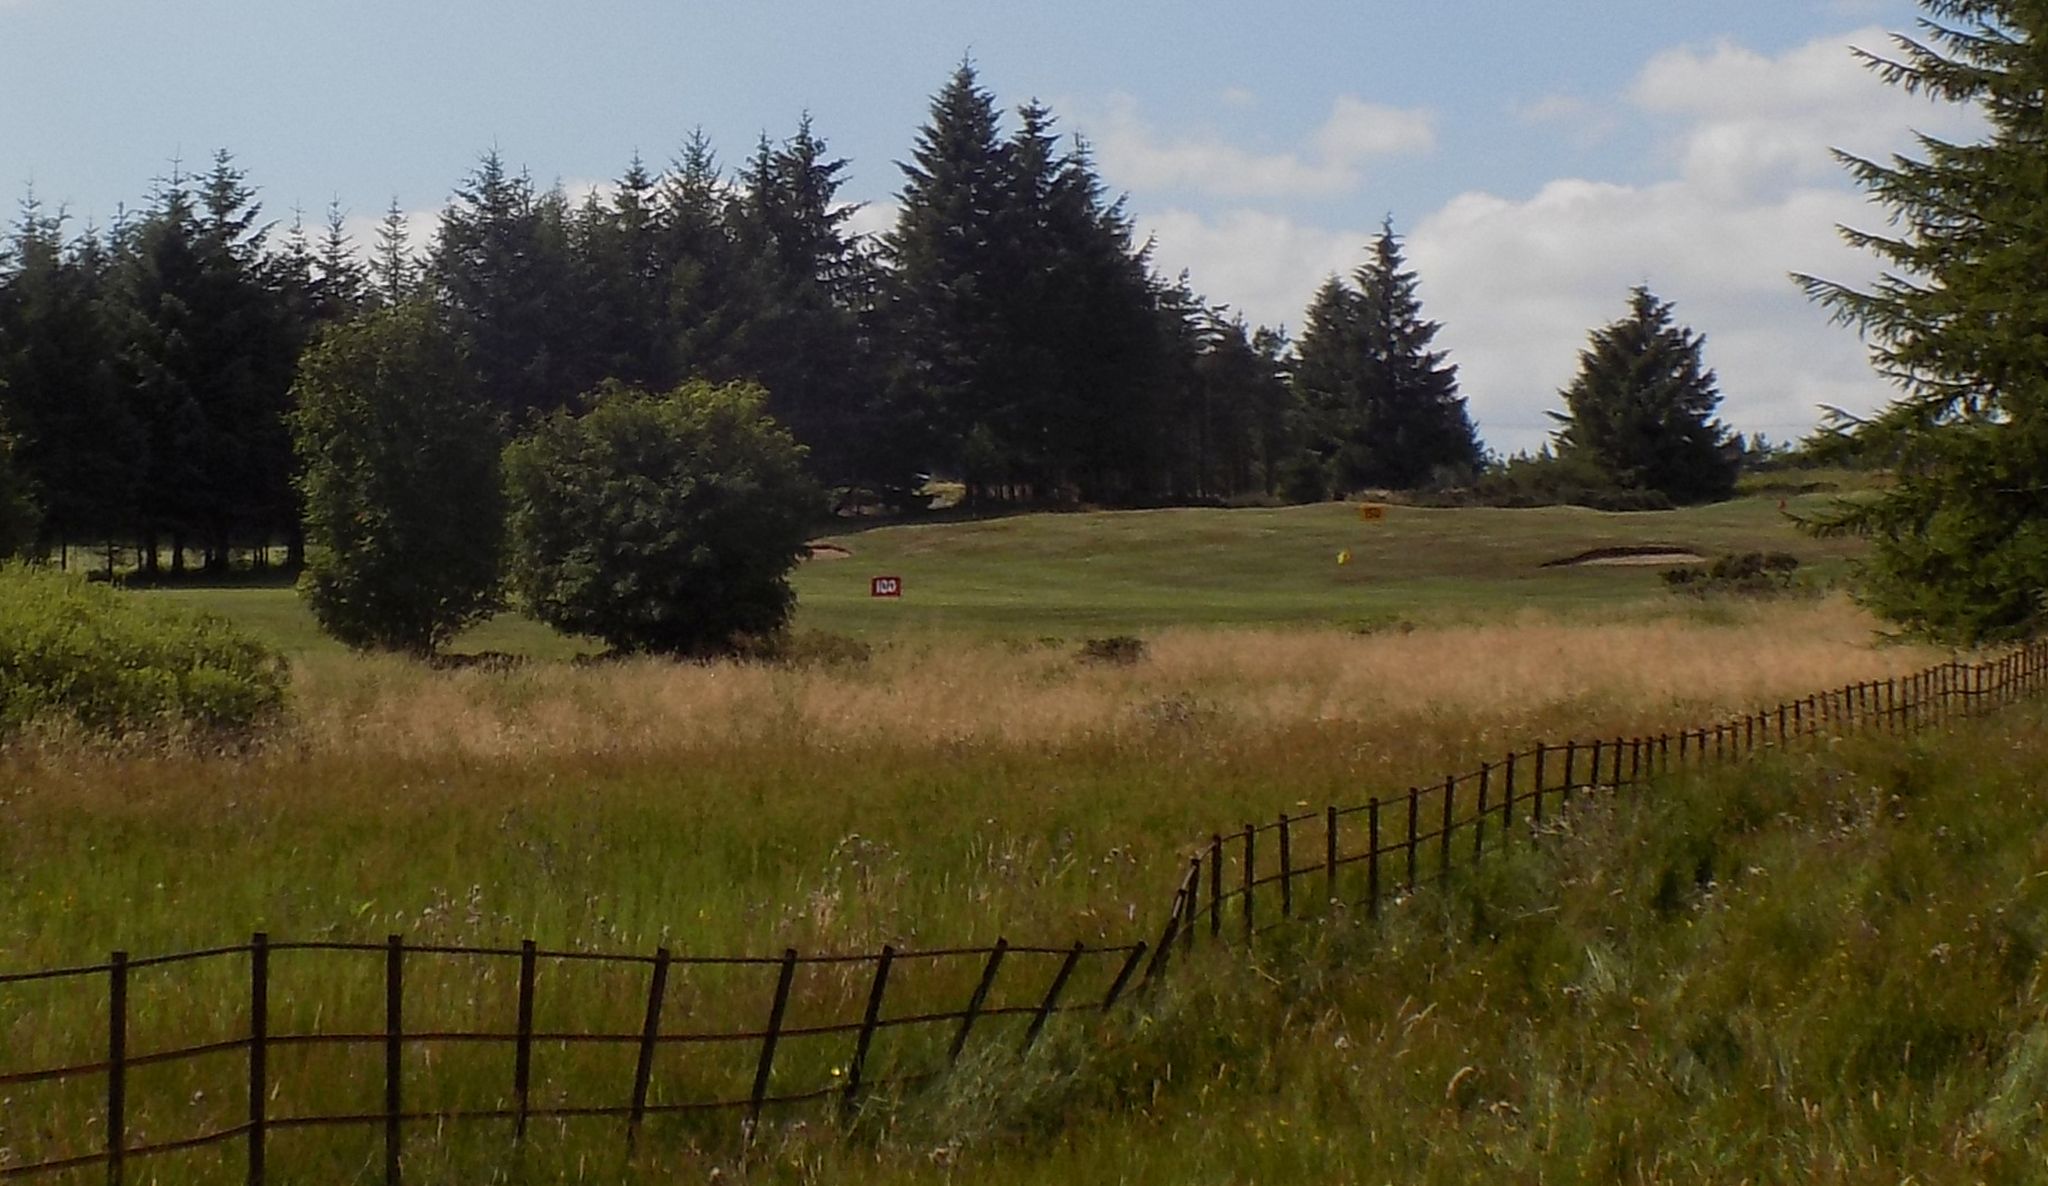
pixel 824 551
pixel 1640 555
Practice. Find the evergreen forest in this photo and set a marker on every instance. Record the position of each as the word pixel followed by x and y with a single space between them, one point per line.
pixel 1010 331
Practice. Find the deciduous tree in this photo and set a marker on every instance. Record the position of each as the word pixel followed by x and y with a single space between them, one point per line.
pixel 405 504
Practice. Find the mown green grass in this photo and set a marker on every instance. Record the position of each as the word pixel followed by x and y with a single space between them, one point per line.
pixel 1100 573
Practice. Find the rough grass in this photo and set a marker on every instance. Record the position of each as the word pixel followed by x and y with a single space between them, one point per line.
pixel 1827 968
pixel 1822 967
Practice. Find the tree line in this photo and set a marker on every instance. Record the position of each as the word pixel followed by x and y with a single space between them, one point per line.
pixel 1010 330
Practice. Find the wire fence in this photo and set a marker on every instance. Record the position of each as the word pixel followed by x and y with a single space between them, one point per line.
pixel 1264 875
pixel 1024 985
pixel 1235 887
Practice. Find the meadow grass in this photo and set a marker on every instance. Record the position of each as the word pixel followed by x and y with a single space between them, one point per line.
pixel 1823 967
pixel 927 795
pixel 971 777
pixel 1820 966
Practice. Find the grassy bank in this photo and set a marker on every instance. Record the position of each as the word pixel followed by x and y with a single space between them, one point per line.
pixel 1827 968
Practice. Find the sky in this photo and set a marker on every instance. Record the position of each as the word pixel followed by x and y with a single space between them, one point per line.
pixel 1539 157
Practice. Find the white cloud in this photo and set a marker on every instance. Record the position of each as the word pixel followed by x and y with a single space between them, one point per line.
pixel 1751 194
pixel 362 228
pixel 1750 122
pixel 1358 131
pixel 873 219
pixel 1135 155
pixel 1585 123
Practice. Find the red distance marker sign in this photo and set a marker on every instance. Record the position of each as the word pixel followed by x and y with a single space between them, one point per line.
pixel 885 586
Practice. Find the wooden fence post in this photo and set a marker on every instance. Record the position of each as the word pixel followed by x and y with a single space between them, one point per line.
pixel 1286 867
pixel 1250 881
pixel 650 1033
pixel 766 1067
pixel 1507 802
pixel 1443 836
pixel 1192 906
pixel 1479 815
pixel 1216 885
pixel 522 1053
pixel 1330 850
pixel 1571 754
pixel 1414 809
pixel 1052 997
pixel 259 1053
pixel 1372 858
pixel 979 999
pixel 394 1055
pixel 1123 976
pixel 1536 808
pixel 1617 763
pixel 117 1065
pixel 1163 951
pixel 868 1021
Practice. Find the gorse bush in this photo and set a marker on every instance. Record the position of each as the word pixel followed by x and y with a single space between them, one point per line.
pixel 1750 574
pixel 91 657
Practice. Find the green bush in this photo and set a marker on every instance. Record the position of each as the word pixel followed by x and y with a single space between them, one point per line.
pixel 665 523
pixel 1747 574
pixel 115 664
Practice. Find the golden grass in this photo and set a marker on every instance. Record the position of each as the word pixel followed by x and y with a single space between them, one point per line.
pixel 1528 673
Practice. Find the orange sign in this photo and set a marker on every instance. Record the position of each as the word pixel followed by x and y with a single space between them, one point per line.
pixel 1371 512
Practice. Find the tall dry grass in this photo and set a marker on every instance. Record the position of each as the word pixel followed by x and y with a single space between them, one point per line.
pixel 1527 673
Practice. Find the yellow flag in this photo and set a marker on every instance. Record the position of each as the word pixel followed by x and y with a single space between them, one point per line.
pixel 1344 557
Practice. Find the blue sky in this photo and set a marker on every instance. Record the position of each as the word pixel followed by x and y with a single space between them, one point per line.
pixel 1541 157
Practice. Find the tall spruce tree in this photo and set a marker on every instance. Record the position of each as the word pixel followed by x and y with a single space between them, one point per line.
pixel 20 517
pixel 946 276
pixel 500 272
pixel 77 442
pixel 1641 408
pixel 810 283
pixel 1960 324
pixel 393 274
pixel 206 350
pixel 1386 407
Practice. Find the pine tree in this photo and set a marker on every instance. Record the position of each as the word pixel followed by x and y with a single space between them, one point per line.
pixel 808 281
pixel 706 306
pixel 946 276
pixel 499 270
pixel 20 517
pixel 77 442
pixel 340 286
pixel 1641 408
pixel 1386 407
pixel 394 275
pixel 1960 325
